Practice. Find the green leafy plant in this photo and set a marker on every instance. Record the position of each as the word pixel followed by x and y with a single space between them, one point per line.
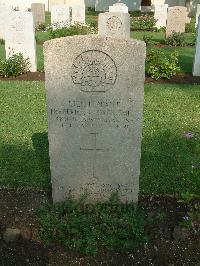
pixel 14 66
pixel 190 27
pixel 191 220
pixel 176 39
pixel 62 30
pixel 144 22
pixel 91 227
pixel 159 65
pixel 147 39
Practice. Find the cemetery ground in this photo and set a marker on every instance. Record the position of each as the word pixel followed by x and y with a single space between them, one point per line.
pixel 169 179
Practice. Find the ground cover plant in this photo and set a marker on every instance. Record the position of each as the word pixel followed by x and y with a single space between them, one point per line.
pixel 90 228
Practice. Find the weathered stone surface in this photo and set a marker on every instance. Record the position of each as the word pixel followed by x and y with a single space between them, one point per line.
pixel 95 88
pixel 38 11
pixel 103 5
pixel 114 24
pixel 60 14
pixel 20 36
pixel 161 15
pixel 119 8
pixel 196 64
pixel 176 19
pixel 197 15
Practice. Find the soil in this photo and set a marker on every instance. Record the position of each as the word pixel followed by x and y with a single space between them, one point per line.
pixel 170 244
pixel 182 78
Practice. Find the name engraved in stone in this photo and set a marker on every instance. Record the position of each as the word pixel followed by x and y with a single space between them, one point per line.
pixel 19 24
pixel 114 23
pixel 95 71
pixel 92 114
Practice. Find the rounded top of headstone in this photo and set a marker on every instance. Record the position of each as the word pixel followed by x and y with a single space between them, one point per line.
pixel 119 4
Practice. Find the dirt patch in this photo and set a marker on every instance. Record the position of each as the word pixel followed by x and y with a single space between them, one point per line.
pixel 169 243
pixel 185 78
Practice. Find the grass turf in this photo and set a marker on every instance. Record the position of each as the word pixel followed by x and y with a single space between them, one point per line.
pixel 170 161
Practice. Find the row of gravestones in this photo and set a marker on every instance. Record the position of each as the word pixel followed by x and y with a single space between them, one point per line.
pixel 173 18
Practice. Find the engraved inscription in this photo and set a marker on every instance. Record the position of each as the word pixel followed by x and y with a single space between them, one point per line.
pixel 93 114
pixel 19 24
pixel 114 23
pixel 95 71
pixel 94 149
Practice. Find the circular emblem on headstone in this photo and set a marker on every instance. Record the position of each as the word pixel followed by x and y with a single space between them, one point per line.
pixel 94 71
pixel 114 23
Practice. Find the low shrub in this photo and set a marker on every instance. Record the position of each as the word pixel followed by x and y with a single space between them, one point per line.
pixel 13 66
pixel 159 65
pixel 59 30
pixel 92 227
pixel 190 27
pixel 176 39
pixel 147 39
pixel 144 22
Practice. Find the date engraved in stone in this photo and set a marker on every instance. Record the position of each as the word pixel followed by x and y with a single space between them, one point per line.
pixel 95 71
pixel 114 23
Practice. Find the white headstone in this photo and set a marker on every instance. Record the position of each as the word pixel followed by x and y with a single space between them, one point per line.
pixel 161 15
pixel 20 36
pixel 78 13
pixel 196 64
pixel 176 19
pixel 197 15
pixel 103 5
pixel 60 15
pixel 4 13
pixel 119 8
pixel 114 24
pixel 95 90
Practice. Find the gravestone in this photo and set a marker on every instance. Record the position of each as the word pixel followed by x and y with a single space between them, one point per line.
pixel 196 64
pixel 95 88
pixel 4 13
pixel 114 24
pixel 38 11
pixel 176 19
pixel 197 15
pixel 78 13
pixel 161 15
pixel 20 36
pixel 103 5
pixel 119 8
pixel 60 15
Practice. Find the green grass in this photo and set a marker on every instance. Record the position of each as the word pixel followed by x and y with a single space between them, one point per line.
pixel 170 161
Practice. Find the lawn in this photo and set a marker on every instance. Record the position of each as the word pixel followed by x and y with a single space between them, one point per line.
pixel 170 161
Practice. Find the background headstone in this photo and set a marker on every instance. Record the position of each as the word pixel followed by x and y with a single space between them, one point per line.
pixel 119 8
pixel 114 24
pixel 60 15
pixel 95 88
pixel 196 64
pixel 161 15
pixel 38 11
pixel 176 19
pixel 4 13
pixel 20 36
pixel 78 13
pixel 197 15
pixel 103 5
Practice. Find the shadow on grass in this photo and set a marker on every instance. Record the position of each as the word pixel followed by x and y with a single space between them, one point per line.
pixel 20 165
